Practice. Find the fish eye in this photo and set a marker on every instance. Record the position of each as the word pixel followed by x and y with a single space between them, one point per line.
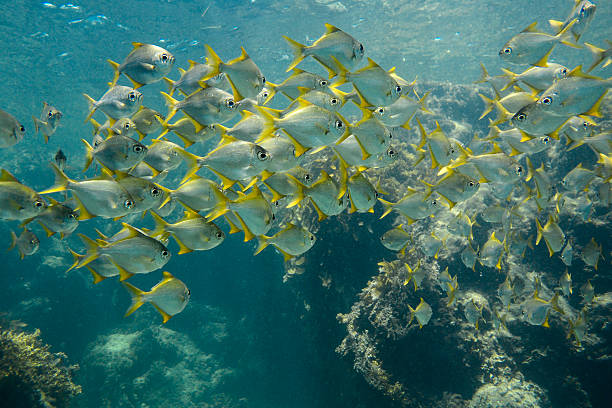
pixel 391 153
pixel 263 79
pixel 230 103
pixel 519 170
pixel 471 183
pixel 585 125
pixel 21 128
pixel 312 237
pixel 564 71
pixel 132 96
pixel 376 194
pixel 323 83
pixel 50 115
pixel 164 57
pixel 165 253
pixel 434 203
pixel 547 100
pixel 521 117
pixel 219 234
pixel 334 101
pixel 361 47
pixel 273 217
pixel 265 94
pixel 339 124
pixel 137 148
pixel 398 89
pixel 307 176
pixel 38 203
pixel 262 155
pixel 507 50
pixel 127 126
pixel 128 203
pixel 545 139
pixel 72 215
pixel 155 191
pixel 380 110
pixel 452 150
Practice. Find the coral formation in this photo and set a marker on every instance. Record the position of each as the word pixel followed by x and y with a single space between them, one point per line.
pixel 31 375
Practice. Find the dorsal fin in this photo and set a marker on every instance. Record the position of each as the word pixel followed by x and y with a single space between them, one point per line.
pixel 531 28
pixel 6 176
pixel 331 29
pixel 137 44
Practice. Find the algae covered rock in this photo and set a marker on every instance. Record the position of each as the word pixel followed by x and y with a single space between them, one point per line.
pixel 510 393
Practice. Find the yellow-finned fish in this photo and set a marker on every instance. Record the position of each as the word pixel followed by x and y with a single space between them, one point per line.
pixel 512 102
pixel 192 233
pixel 197 194
pixel 115 153
pixel 327 196
pixel 534 120
pixel 536 310
pixel 577 94
pixel 191 132
pixel 519 142
pixel 56 218
pixel 350 153
pixel 233 160
pixel 396 239
pixel 123 127
pixel 401 112
pixel 505 292
pixel 145 64
pixel 576 129
pixel 533 47
pixel 253 211
pixel 308 126
pixel 373 137
pixel 147 121
pixel 455 187
pixel 591 253
pixel 249 128
pixel 11 131
pixel 537 78
pixel 135 253
pixel 189 82
pixel 27 243
pixel 48 122
pixel 567 255
pixel 578 179
pixel 599 55
pixel 565 283
pixel 290 184
pixel 290 87
pixel 331 49
pixel 469 256
pixel 146 194
pixel 205 106
pixel 415 205
pixel 578 327
pixel 582 12
pixel 163 155
pixel 169 296
pixel 441 149
pixel 116 103
pixel 291 241
pixel 331 99
pixel 375 86
pixel 587 291
pixel 473 313
pixel 422 313
pixel 492 252
pixel 553 235
pixel 244 76
pixel 495 166
pixel 102 196
pixel 282 154
pixel 18 201
pixel 362 193
pixel 416 275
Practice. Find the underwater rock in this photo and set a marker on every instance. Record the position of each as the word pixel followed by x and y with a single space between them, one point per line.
pixel 31 375
pixel 512 393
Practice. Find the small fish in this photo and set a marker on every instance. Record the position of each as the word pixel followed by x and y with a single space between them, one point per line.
pixel 537 78
pixel 147 121
pixel 373 137
pixel 308 126
pixel 362 193
pixel 145 64
pixel 282 154
pixel 567 255
pixel 328 98
pixel 582 12
pixel 290 87
pixel 533 47
pixel 350 153
pixel 578 327
pixel 100 268
pixel 118 102
pixel 291 241
pixel 519 142
pixel 517 243
pixel 494 166
pixel 331 49
pixel 552 234
pixel 124 127
pixel 197 194
pixel 135 253
pixel 422 313
pixel 461 225
pixel 102 196
pixel 492 252
pixel 591 253
pixel 401 112
pixel 163 155
pixel 205 106
pixel 115 153
pixel 56 218
pixel 430 245
pixel 289 184
pixel 473 313
pixel 565 283
pixel 192 233
pixel 505 292
pixel 588 291
pixel 169 296
pixel 534 120
pixel 233 160
pixel 415 205
pixel 416 275
pixel 242 73
pixel 48 122
pixel 469 256
pixel 599 143
pixel 146 194
pixel 18 201
pixel 536 310
pixel 253 211
pixel 455 187
pixel 189 132
pixel 576 129
pixel 375 86
pixel 498 320
pixel 577 94
pixel 250 128
pixel 512 103
pixel 396 239
pixel 27 243
pixel 189 82
pixel 578 179
pixel 11 131
pixel 326 196
pixel 544 187
pixel 60 159
pixel 599 55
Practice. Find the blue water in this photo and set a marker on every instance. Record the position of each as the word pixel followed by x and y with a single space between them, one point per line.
pixel 248 339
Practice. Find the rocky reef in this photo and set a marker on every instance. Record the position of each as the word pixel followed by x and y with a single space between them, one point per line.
pixel 31 375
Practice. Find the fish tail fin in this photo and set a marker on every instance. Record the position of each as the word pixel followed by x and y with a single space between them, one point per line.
pixel 14 241
pixel 341 78
pixel 171 103
pixel 298 197
pixel 61 181
pixel 116 72
pixel 37 123
pixel 388 207
pixel 92 252
pixel 160 224
pixel 555 25
pixel 171 85
pixel 191 160
pixel 76 257
pixel 91 103
pixel 423 103
pixel 138 298
pixel 512 78
pixel 262 242
pixel 566 37
pixel 218 210
pixel 269 122
pixel 343 181
pixel 489 105
pixel 88 155
pixel 412 313
pixel 493 132
pixel 530 169
pixel 213 60
pixel 597 54
pixel 502 114
pixel 484 75
pixel 298 52
pixel 539 228
pixel 423 134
